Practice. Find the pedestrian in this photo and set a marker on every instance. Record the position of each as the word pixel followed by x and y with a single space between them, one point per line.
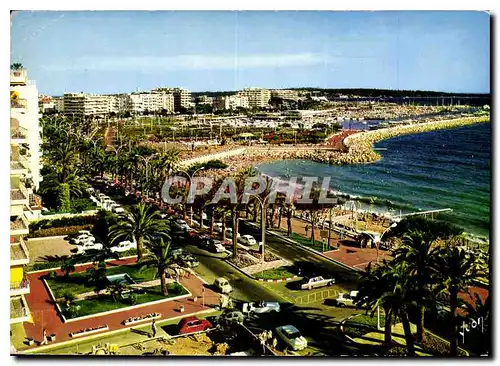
pixel 153 328
pixel 306 229
pixel 44 341
pixel 275 343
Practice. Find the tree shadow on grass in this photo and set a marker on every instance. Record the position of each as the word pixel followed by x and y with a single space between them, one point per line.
pixel 55 258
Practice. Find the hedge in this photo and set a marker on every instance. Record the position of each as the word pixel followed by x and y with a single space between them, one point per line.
pixel 62 222
pixel 58 231
pixel 38 266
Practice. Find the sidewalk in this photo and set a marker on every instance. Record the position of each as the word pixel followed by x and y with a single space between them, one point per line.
pixel 45 315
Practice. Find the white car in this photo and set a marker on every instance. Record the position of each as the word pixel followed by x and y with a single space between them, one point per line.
pixel 292 337
pixel 223 285
pixel 218 227
pixel 316 282
pixel 124 246
pixel 85 232
pixel 346 299
pixel 247 239
pixel 116 208
pixel 261 307
pixel 107 204
pixel 89 246
pixel 83 238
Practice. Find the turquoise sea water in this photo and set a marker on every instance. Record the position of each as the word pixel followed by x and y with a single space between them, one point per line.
pixel 426 171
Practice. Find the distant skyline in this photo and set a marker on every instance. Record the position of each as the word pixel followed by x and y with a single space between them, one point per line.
pixel 113 52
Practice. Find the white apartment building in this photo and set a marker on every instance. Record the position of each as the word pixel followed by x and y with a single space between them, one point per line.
pixel 151 101
pixel 285 94
pixel 231 102
pixel 256 97
pixel 182 97
pixel 25 117
pixel 25 165
pixel 204 99
pixel 86 104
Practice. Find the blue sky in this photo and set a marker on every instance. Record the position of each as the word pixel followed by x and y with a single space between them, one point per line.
pixel 111 52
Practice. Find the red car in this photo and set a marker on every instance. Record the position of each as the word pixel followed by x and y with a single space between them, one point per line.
pixel 192 324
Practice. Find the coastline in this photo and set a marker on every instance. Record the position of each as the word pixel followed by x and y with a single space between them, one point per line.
pixel 359 147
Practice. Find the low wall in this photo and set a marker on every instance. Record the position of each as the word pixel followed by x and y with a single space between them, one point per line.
pixel 215 156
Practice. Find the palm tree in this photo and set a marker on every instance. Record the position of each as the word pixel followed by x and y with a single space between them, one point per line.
pixel 456 268
pixel 160 257
pixel 67 267
pixel 223 213
pixel 141 224
pixel 96 276
pixel 374 284
pixel 417 251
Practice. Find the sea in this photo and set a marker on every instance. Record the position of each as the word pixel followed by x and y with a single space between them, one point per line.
pixel 426 171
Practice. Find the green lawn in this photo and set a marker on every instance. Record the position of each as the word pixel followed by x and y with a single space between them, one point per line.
pixel 275 273
pixel 106 303
pixel 76 283
pixel 318 245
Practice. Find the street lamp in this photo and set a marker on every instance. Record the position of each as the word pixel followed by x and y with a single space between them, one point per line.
pixel 190 177
pixel 262 220
pixel 377 240
pixel 116 156
pixel 146 161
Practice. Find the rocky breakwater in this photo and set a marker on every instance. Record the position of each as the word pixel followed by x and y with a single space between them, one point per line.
pixel 360 146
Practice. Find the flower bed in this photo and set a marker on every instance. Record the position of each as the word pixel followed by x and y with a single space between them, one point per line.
pixel 87 331
pixel 138 319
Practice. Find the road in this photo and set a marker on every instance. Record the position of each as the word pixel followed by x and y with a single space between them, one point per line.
pixel 244 288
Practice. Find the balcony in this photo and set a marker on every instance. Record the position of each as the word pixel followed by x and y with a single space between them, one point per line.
pixel 18 103
pixel 18 77
pixel 19 195
pixel 20 288
pixel 19 253
pixel 19 165
pixel 19 226
pixel 19 311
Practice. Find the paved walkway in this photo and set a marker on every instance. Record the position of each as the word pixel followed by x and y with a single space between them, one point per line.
pixel 40 248
pixel 45 315
pixel 348 252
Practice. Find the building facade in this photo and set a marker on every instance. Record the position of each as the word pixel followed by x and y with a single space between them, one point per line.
pixel 231 102
pixel 257 97
pixel 182 97
pixel 86 104
pixel 285 94
pixel 25 165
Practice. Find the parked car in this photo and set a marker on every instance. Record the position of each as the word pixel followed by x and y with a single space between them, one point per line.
pixel 85 232
pixel 316 282
pixel 116 208
pixel 218 227
pixel 189 261
pixel 89 246
pixel 261 307
pixel 216 246
pixel 292 337
pixel 344 299
pixel 247 240
pixel 124 246
pixel 192 324
pixel 82 238
pixel 232 316
pixel 222 285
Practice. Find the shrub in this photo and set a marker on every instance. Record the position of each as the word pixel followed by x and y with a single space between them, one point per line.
pixel 175 288
pixel 57 231
pixel 82 204
pixel 65 221
pixel 38 266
